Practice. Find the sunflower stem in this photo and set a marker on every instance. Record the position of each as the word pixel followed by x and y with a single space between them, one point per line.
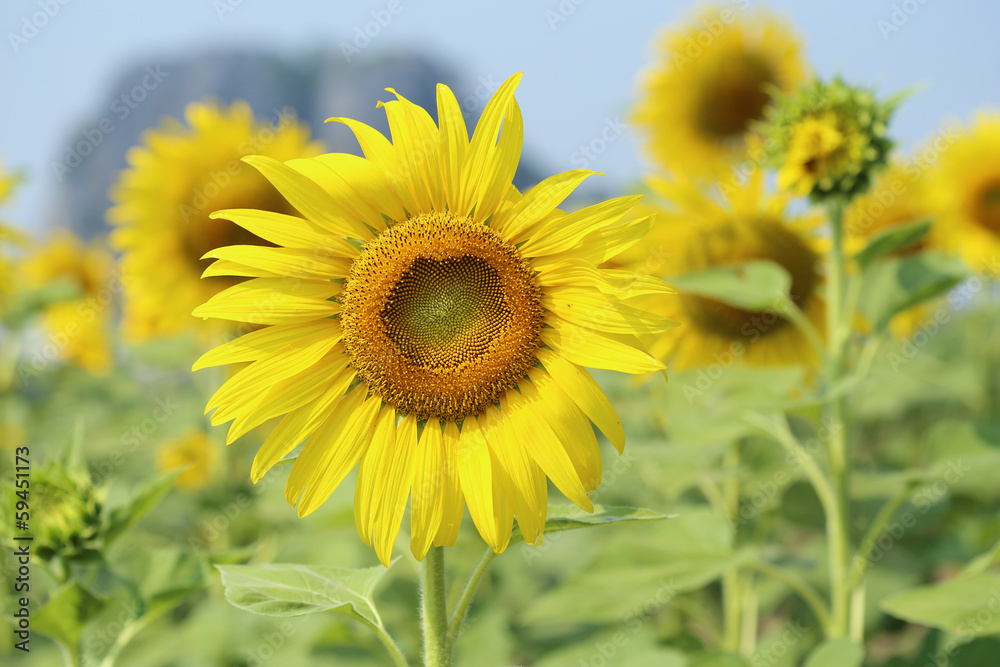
pixel 462 608
pixel 838 521
pixel 731 581
pixel 434 616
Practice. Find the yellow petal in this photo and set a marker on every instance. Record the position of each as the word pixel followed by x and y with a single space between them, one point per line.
pixel 332 451
pixel 591 349
pixel 572 428
pixel 259 344
pixel 224 267
pixel 502 163
pixel 294 392
pixel 454 141
pixel 370 185
pixel 530 492
pixel 373 465
pixel 287 231
pixel 475 471
pixel 330 263
pixel 249 382
pixel 380 151
pixel 427 497
pixel 272 301
pixel 602 312
pixel 308 198
pixel 294 428
pixel 483 145
pixel 587 394
pixel 602 245
pixel 624 284
pixel 454 499
pixel 354 184
pixel 415 138
pixel 539 202
pixel 393 488
pixel 560 235
pixel 531 424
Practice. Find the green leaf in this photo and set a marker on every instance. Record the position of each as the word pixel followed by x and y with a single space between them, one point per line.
pixel 964 606
pixel 901 283
pixel 754 285
pixel 66 613
pixel 892 240
pixel 570 517
pixel 163 577
pixel 144 499
pixel 294 590
pixel 841 652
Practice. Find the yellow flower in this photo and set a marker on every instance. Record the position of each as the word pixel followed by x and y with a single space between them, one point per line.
pixel 710 82
pixel 77 328
pixel 193 449
pixel 966 193
pixel 177 177
pixel 700 232
pixel 827 139
pixel 428 323
pixel 8 238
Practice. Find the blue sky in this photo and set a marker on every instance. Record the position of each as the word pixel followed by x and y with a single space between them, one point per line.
pixel 581 60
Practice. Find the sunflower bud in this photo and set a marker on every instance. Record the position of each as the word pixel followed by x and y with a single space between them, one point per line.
pixel 66 513
pixel 828 140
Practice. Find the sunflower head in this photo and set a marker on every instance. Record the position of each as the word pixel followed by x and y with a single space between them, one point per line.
pixel 700 231
pixel 427 323
pixel 713 78
pixel 78 327
pixel 176 178
pixel 965 190
pixel 66 517
pixel 193 449
pixel 828 140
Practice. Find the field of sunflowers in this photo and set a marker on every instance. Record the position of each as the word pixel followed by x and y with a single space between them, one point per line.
pixel 422 401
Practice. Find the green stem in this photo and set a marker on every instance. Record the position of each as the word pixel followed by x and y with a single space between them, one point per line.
pixel 462 608
pixel 397 655
pixel 731 579
pixel 863 556
pixel 837 523
pixel 797 584
pixel 437 652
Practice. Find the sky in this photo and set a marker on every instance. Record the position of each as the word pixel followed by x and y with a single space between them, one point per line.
pixel 581 61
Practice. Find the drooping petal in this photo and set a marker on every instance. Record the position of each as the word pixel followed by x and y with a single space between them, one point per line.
pixel 427 495
pixel 454 498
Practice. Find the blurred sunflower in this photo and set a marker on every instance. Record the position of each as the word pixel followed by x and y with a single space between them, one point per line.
pixel 176 178
pixel 193 449
pixel 429 323
pixel 966 192
pixel 898 197
pixel 711 81
pixel 701 232
pixel 77 328
pixel 8 238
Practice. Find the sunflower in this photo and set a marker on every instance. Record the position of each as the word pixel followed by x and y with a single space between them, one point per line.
pixel 966 193
pixel 77 328
pixel 193 449
pixel 428 323
pixel 176 178
pixel 701 232
pixel 8 238
pixel 713 78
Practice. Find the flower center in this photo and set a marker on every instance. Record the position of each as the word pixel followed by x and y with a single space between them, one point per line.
pixel 987 206
pixel 762 239
pixel 441 316
pixel 734 96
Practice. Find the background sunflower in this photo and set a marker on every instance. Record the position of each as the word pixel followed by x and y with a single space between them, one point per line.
pixel 177 177
pixel 712 79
